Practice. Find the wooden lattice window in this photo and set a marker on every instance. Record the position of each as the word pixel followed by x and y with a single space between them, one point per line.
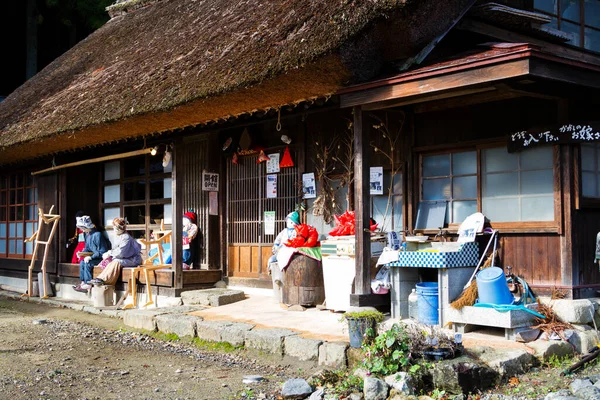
pixel 18 214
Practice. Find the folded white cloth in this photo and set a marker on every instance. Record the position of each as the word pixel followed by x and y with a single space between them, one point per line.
pixel 387 256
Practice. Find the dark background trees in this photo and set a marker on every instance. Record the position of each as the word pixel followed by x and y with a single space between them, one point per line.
pixel 35 32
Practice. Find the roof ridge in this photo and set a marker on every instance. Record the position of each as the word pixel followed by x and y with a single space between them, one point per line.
pixel 121 7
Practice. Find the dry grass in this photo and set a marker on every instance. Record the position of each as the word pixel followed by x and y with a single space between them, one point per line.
pixel 551 324
pixel 469 295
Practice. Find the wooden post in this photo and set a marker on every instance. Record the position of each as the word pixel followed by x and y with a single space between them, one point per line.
pixel 362 281
pixel 177 203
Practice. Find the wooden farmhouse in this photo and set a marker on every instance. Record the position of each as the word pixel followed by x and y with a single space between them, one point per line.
pixel 477 105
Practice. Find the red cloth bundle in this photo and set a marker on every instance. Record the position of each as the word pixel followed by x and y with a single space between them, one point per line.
pixel 346 225
pixel 306 236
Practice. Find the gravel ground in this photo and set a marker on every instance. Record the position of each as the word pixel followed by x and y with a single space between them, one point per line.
pixel 53 353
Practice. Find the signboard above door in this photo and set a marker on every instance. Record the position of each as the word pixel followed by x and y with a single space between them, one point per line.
pixel 588 132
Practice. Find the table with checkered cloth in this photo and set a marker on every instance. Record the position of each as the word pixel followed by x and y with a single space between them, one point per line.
pixel 466 256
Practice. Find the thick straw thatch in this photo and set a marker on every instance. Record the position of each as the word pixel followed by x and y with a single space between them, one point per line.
pixel 176 63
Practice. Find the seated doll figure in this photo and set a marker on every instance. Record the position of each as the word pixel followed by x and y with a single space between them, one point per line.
pixel 291 220
pixel 95 245
pixel 190 230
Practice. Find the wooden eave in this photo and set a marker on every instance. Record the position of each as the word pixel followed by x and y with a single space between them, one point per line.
pixel 469 75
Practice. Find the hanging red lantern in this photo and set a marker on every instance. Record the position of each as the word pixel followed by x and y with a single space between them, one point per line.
pixel 262 157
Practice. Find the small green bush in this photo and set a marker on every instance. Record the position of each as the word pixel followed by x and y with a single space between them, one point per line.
pixel 387 353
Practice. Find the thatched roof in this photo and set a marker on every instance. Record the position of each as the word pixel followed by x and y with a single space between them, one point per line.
pixel 176 63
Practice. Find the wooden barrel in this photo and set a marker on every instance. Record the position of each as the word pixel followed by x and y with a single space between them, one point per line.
pixel 303 282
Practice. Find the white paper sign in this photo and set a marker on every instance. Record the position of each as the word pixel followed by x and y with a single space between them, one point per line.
pixel 271 186
pixel 210 181
pixel 308 186
pixel 269 218
pixel 376 180
pixel 273 163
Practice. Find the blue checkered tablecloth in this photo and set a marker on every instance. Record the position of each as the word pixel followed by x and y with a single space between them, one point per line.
pixel 466 256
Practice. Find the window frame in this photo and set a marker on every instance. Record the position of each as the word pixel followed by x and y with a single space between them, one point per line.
pixel 581 24
pixel 27 183
pixel 551 226
pixel 146 202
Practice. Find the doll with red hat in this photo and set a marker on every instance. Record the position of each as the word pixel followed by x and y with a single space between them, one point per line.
pixel 190 230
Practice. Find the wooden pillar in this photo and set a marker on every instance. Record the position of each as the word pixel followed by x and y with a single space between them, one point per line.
pixel 568 269
pixel 362 281
pixel 177 203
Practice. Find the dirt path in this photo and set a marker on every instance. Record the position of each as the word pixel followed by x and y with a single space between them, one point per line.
pixel 54 353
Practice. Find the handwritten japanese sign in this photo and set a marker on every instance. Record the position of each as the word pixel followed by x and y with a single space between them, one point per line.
pixel 560 134
pixel 210 181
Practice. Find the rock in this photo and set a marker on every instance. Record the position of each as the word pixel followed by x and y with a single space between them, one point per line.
pixel 401 382
pixel 375 389
pixel 333 354
pixel 545 349
pixel 356 396
pixel 361 373
pixel 179 371
pixel 579 384
pixel 39 321
pixel 301 348
pixel 296 389
pixel 527 335
pixel 212 297
pixel 506 363
pixel 178 324
pixel 584 338
pixel 221 285
pixel 573 311
pixel 461 375
pixel 296 307
pixel 268 340
pixel 252 379
pixel 562 394
pixel 588 393
pixel 317 394
pixel 142 319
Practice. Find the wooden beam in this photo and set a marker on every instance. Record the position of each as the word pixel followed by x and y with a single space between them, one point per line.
pixel 427 98
pixel 94 160
pixel 362 281
pixel 567 269
pixel 465 101
pixel 564 73
pixel 452 79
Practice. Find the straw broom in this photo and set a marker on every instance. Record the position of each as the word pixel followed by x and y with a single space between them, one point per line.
pixel 469 295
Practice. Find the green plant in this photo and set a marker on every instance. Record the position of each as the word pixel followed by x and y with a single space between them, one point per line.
pixel 375 316
pixel 215 346
pixel 341 382
pixel 438 394
pixel 555 361
pixel 388 352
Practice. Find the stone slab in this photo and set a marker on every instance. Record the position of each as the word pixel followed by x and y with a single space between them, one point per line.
pixel 506 362
pixel 267 340
pixel 302 348
pixel 142 319
pixel 223 331
pixel 235 334
pixel 544 349
pixel 490 317
pixel 574 311
pixel 333 354
pixel 178 324
pixel 212 297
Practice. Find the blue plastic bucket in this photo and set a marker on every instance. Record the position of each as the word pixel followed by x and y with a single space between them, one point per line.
pixel 427 303
pixel 492 287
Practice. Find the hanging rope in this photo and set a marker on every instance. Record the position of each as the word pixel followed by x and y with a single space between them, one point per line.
pixel 278 127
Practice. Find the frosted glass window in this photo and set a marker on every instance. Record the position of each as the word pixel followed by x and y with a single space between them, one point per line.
pixel 590 170
pixel 464 163
pixel 168 188
pixel 168 214
pixel 499 185
pixel 537 182
pixel 437 189
pixel 464 187
pixel 12 230
pixel 31 212
pixel 110 214
pixel 112 193
pixel 12 246
pixel 538 208
pixel 19 247
pixel 569 9
pixel 378 212
pixel 550 6
pixel 112 170
pixel 19 230
pixel 501 210
pixel 2 246
pixel 398 224
pixel 438 165
pixel 392 220
pixel 537 158
pixel 513 185
pixel 28 248
pixel 2 230
pixel 462 209
pixel 500 159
